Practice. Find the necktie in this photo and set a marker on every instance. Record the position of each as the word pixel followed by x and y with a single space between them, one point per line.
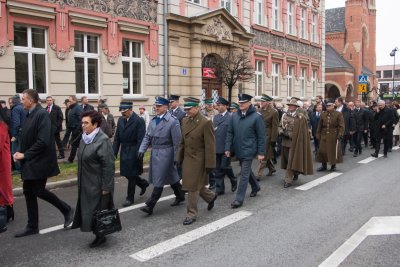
pixel 48 109
pixel 158 119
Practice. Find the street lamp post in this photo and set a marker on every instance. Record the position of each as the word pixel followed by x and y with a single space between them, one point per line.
pixel 393 54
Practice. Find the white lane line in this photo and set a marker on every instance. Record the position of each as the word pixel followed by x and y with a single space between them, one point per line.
pixel 180 240
pixel 137 206
pixel 395 147
pixel 318 181
pixel 375 226
pixel 369 159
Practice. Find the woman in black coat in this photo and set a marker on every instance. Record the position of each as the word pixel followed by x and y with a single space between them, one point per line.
pixel 96 170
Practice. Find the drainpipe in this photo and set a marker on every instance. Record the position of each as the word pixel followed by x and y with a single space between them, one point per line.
pixel 166 92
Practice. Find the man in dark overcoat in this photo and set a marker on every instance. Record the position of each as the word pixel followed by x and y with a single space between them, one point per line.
pixel 38 158
pixel 129 135
pixel 56 117
pixel 330 131
pixel 346 112
pixel 360 120
pixel 223 167
pixel 74 125
pixel 296 148
pixel 315 117
pixel 246 139
pixel 163 136
pixel 383 121
pixel 197 154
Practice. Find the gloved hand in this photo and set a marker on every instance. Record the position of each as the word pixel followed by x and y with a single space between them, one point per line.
pixel 140 155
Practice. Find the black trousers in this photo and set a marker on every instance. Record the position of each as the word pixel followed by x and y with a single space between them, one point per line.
pixel 386 142
pixel 59 143
pixel 357 137
pixel 76 136
pixel 134 181
pixel 34 189
pixel 222 169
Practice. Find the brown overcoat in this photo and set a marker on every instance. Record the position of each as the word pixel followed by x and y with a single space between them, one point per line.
pixel 196 151
pixel 330 130
pixel 271 120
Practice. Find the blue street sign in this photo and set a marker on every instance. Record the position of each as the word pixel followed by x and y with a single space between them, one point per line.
pixel 362 79
pixel 184 71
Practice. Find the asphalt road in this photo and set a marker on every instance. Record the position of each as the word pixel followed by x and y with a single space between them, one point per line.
pixel 282 227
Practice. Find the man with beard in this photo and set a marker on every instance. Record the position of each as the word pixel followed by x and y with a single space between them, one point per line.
pixel 296 147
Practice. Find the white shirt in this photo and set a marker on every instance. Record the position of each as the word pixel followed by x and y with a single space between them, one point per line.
pixel 340 108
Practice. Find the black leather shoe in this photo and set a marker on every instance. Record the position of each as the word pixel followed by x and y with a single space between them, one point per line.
pixel 355 155
pixel 147 209
pixel 98 241
pixel 27 231
pixel 236 204
pixel 68 218
pixel 61 157
pixel 3 229
pixel 385 155
pixel 211 187
pixel 221 193
pixel 188 221
pixel 234 186
pixel 321 169
pixel 333 168
pixel 286 185
pixel 177 201
pixel 127 203
pixel 375 155
pixel 212 202
pixel 143 190
pixel 271 172
pixel 295 177
pixel 254 193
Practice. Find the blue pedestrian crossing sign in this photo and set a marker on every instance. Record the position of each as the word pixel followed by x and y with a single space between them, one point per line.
pixel 362 79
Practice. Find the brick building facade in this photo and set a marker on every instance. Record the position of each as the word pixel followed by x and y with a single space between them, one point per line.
pixel 350 49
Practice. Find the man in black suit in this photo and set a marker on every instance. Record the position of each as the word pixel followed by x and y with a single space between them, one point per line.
pixel 85 104
pixel 37 155
pixel 383 121
pixel 56 117
pixel 360 119
pixel 341 107
pixel 74 125
pixel 314 120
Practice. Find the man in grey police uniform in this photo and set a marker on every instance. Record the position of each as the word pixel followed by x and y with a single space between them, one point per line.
pixel 174 108
pixel 164 136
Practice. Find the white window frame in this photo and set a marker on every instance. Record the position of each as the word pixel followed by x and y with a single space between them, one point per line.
pixel 33 50
pixel 85 55
pixel 130 59
pixel 276 15
pixel 290 18
pixel 302 78
pixel 303 24
pixel 259 70
pixel 314 82
pixel 275 79
pixel 196 2
pixel 290 80
pixel 227 3
pixel 314 32
pixel 258 14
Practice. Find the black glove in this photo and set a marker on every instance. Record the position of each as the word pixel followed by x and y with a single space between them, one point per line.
pixel 140 155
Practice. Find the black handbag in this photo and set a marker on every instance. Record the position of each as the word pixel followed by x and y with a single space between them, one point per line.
pixel 106 222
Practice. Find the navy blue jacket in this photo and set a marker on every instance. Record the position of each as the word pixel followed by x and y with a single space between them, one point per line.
pixel 246 135
pixel 18 115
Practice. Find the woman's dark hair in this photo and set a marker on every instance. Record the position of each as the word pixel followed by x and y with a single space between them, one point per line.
pixel 94 116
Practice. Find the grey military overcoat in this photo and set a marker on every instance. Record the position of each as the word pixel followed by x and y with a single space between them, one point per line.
pixel 164 140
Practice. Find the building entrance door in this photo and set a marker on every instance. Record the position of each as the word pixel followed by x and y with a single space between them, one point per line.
pixel 211 83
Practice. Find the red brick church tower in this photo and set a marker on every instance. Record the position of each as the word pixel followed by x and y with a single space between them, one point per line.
pixel 350 49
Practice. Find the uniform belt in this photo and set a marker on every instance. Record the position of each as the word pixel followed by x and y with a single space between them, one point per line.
pixel 162 146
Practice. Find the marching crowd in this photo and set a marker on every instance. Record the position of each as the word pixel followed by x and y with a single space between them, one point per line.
pixel 191 149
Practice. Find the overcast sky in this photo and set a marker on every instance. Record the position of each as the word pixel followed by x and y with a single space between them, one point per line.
pixel 387 29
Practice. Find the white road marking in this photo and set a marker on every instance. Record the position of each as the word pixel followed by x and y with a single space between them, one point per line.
pixel 375 226
pixel 180 240
pixel 369 159
pixel 318 181
pixel 395 147
pixel 122 210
